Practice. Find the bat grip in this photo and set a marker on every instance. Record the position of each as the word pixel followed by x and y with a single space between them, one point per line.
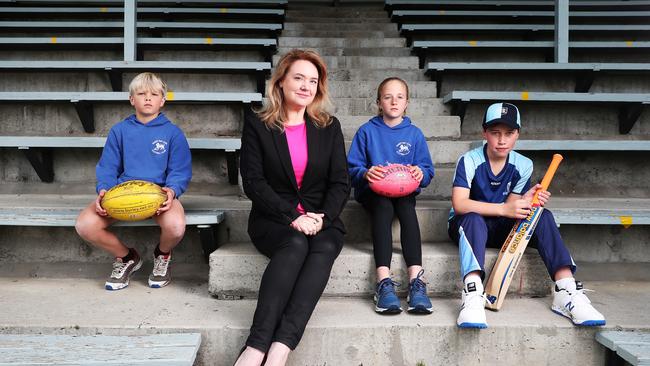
pixel 548 177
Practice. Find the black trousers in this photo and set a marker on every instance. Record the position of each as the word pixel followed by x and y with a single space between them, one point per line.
pixel 382 210
pixel 292 283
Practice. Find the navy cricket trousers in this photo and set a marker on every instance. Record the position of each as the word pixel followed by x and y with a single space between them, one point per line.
pixel 473 233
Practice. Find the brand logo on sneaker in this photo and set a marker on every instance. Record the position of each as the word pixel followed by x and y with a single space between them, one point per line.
pixel 569 305
pixel 471 287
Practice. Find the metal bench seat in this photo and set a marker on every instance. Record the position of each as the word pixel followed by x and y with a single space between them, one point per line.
pixel 39 150
pixel 630 104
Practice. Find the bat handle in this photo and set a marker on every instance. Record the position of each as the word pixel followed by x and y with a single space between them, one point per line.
pixel 548 177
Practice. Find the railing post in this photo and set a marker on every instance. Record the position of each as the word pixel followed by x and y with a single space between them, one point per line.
pixel 130 29
pixel 561 31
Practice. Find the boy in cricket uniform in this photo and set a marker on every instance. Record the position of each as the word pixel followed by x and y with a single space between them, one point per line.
pixel 491 190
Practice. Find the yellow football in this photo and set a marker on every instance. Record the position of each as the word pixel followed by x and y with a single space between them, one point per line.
pixel 133 200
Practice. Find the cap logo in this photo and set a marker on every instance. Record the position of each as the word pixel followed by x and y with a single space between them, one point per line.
pixel 504 110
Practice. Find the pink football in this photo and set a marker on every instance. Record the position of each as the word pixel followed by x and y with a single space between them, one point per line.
pixel 398 182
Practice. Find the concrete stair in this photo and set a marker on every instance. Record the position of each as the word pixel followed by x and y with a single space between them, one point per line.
pixel 241 267
pixel 340 332
pixel 432 126
pixel 354 51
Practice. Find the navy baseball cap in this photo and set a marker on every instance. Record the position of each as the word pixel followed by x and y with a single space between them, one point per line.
pixel 504 113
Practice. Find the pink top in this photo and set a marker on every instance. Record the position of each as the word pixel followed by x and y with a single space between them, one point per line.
pixel 297 141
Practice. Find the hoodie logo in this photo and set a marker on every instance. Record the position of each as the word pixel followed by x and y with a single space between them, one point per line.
pixel 159 147
pixel 403 148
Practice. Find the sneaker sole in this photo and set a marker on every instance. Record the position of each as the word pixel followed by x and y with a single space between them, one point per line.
pixel 419 310
pixel 114 286
pixel 586 323
pixel 388 310
pixel 472 325
pixel 158 284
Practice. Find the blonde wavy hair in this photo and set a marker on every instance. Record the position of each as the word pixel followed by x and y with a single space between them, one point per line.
pixel 273 113
pixel 380 89
pixel 147 81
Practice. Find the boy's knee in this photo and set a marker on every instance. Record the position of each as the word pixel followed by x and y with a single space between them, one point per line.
pixel 174 229
pixel 471 218
pixel 546 218
pixel 85 227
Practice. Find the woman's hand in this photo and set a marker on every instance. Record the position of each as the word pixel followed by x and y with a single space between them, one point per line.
pixel 309 223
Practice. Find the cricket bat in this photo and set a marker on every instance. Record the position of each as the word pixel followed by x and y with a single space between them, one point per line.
pixel 514 246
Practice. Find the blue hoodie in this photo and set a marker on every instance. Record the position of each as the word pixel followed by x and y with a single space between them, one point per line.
pixel 377 144
pixel 156 152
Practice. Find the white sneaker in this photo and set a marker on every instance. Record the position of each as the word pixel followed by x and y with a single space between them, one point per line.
pixel 472 310
pixel 572 303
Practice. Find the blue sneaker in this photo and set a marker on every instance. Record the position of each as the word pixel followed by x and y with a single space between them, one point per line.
pixel 417 299
pixel 386 301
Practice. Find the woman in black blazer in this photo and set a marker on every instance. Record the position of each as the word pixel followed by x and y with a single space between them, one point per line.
pixel 294 170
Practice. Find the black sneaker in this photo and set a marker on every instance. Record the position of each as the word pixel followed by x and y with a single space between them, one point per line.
pixel 119 278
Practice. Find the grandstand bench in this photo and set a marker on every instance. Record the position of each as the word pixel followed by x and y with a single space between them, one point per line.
pixel 585 73
pixel 421 48
pixel 115 69
pixel 266 45
pixel 402 15
pixel 630 104
pixel 527 30
pixel 83 101
pixel 577 145
pixel 501 4
pixel 631 348
pixel 156 349
pixel 52 26
pixel 206 221
pixel 38 150
pixel 270 3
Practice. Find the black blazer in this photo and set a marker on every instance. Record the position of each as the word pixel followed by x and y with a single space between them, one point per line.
pixel 270 183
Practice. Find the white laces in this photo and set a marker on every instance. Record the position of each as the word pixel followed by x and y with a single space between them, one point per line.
pixel 579 296
pixel 474 300
pixel 160 265
pixel 118 269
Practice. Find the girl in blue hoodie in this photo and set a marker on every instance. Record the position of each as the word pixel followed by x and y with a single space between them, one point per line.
pixel 391 138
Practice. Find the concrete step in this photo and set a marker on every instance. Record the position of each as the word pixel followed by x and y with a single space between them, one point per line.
pixel 327 26
pixel 334 12
pixel 353 51
pixel 432 127
pixel 366 106
pixel 236 270
pixel 317 18
pixel 340 33
pixel 362 62
pixel 340 332
pixel 375 75
pixel 293 42
pixel 365 89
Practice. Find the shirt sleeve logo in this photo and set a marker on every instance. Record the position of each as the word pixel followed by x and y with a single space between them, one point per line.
pixel 403 148
pixel 159 147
